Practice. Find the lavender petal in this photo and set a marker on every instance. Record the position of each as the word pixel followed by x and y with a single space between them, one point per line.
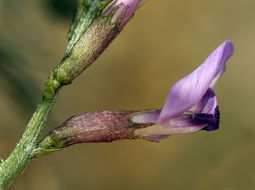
pixel 189 91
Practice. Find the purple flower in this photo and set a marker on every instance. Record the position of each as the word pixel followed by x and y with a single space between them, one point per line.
pixel 191 103
pixel 129 6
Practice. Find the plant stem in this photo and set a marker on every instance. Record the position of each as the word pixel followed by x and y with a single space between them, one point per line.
pixel 86 43
pixel 87 49
pixel 24 150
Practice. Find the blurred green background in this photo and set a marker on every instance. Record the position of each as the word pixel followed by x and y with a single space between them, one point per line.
pixel 166 40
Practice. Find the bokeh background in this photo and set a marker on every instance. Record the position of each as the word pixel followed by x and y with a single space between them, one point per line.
pixel 165 41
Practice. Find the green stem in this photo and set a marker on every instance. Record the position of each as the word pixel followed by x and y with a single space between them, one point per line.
pixel 24 150
pixel 91 41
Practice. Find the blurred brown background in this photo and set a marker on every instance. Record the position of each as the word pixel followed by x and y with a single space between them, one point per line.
pixel 165 40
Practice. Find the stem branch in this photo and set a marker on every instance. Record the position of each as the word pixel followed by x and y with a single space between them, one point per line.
pixel 24 150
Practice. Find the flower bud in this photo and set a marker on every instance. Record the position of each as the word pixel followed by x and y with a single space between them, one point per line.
pixel 94 27
pixel 105 126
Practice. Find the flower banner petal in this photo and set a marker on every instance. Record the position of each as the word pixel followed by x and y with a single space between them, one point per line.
pixel 187 92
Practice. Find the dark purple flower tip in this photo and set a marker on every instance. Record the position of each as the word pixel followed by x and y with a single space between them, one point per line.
pixel 191 103
pixel 213 121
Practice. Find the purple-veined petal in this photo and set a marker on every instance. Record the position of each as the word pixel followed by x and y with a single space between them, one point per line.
pixel 130 5
pixel 189 91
